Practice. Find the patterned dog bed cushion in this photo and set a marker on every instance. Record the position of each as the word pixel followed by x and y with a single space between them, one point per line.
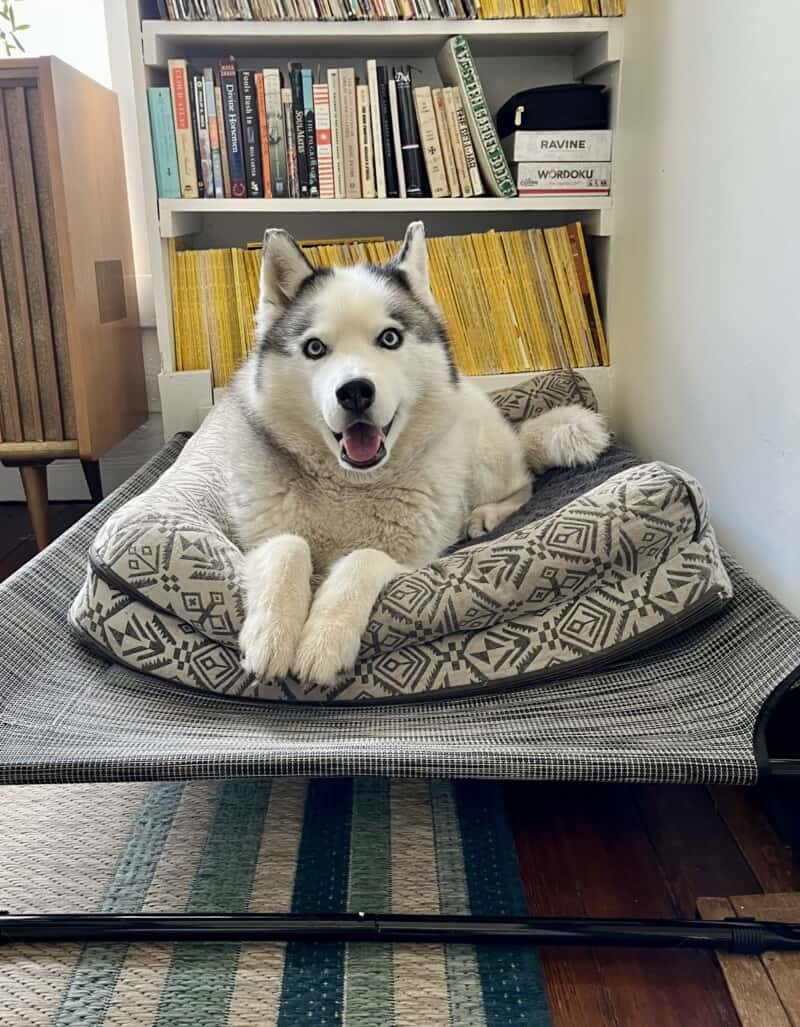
pixel 616 568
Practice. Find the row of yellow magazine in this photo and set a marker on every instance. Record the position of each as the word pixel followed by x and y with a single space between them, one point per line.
pixel 513 301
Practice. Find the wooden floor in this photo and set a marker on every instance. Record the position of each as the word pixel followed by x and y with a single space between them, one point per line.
pixel 618 850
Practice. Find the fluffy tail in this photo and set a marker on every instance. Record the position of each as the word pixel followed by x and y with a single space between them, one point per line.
pixel 564 437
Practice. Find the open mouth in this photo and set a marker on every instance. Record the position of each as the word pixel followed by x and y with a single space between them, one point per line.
pixel 362 444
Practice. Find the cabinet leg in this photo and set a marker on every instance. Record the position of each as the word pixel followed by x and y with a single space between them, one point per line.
pixel 34 482
pixel 91 472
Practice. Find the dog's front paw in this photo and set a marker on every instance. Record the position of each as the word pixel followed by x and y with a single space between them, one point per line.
pixel 484 519
pixel 328 650
pixel 268 645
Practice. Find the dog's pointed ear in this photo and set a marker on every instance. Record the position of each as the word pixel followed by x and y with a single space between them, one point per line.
pixel 412 259
pixel 284 268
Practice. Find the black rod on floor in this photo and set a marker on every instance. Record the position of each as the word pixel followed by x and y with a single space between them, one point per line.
pixel 734 935
pixel 783 767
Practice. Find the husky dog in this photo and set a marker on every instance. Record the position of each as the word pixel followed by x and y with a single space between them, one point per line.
pixel 360 452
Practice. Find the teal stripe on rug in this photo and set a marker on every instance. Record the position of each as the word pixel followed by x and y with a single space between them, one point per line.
pixel 88 994
pixel 201 976
pixel 369 995
pixel 313 976
pixel 465 994
pixel 513 989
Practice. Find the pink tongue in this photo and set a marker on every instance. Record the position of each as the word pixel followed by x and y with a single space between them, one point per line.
pixel 362 442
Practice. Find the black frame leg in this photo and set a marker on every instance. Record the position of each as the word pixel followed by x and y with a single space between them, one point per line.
pixel 91 472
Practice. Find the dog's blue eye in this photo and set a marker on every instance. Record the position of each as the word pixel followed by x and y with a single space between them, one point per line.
pixel 314 349
pixel 390 338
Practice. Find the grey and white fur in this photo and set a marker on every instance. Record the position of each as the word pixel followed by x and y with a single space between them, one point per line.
pixel 360 452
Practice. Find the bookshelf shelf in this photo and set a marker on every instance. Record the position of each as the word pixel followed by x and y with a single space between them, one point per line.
pixel 592 42
pixel 184 217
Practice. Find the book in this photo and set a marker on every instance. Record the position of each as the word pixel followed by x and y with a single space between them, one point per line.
pixel 457 142
pixel 398 148
pixel 347 104
pixel 223 143
pixel 251 143
pixel 336 133
pixel 377 145
pixel 366 159
pixel 184 137
pixel 298 111
pixel 466 144
pixel 534 178
pixel 381 10
pixel 192 87
pixel 293 177
pixel 457 68
pixel 279 173
pixel 573 146
pixel 437 95
pixel 263 133
pixel 213 132
pixel 233 127
pixel 322 122
pixel 431 148
pixel 310 133
pixel 202 139
pixel 385 136
pixel 165 152
pixel 412 159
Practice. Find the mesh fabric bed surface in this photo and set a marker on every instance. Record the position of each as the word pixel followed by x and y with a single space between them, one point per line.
pixel 685 710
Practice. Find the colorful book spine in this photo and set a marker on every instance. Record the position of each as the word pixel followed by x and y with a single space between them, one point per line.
pixel 413 166
pixel 377 146
pixel 223 143
pixel 298 110
pixel 263 136
pixel 466 142
pixel 398 148
pixel 279 173
pixel 213 132
pixel 431 147
pixel 311 133
pixel 165 152
pixel 202 134
pixel 336 133
pixel 233 127
pixel 457 68
pixel 251 143
pixel 456 141
pixel 291 143
pixel 182 118
pixel 385 122
pixel 192 84
pixel 322 124
pixel 453 187
pixel 347 101
pixel 366 159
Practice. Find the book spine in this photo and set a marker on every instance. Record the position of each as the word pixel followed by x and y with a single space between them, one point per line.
pixel 263 135
pixel 398 148
pixel 298 112
pixel 431 147
pixel 311 133
pixel 385 121
pixel 322 122
pixel 466 141
pixel 250 140
pixel 233 127
pixel 554 146
pixel 165 152
pixel 367 166
pixel 213 132
pixel 336 133
pixel 377 146
pixel 291 143
pixel 181 115
pixel 457 68
pixel 437 96
pixel 413 165
pixel 203 137
pixel 347 99
pixel 456 141
pixel 537 177
pixel 223 143
pixel 192 87
pixel 279 173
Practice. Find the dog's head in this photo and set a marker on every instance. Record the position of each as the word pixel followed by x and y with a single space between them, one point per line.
pixel 352 354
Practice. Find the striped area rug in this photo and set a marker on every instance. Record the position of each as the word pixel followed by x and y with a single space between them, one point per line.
pixel 265 845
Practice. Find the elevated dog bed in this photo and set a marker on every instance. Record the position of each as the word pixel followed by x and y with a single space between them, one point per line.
pixel 631 560
pixel 687 709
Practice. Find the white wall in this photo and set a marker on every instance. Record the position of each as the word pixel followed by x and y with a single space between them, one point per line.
pixel 705 304
pixel 74 32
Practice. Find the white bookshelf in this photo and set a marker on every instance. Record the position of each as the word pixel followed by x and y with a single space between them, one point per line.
pixel 512 55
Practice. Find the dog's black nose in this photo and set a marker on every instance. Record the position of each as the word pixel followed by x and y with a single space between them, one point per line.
pixel 356 395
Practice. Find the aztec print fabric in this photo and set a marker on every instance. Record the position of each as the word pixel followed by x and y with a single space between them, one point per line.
pixel 630 560
pixel 265 845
